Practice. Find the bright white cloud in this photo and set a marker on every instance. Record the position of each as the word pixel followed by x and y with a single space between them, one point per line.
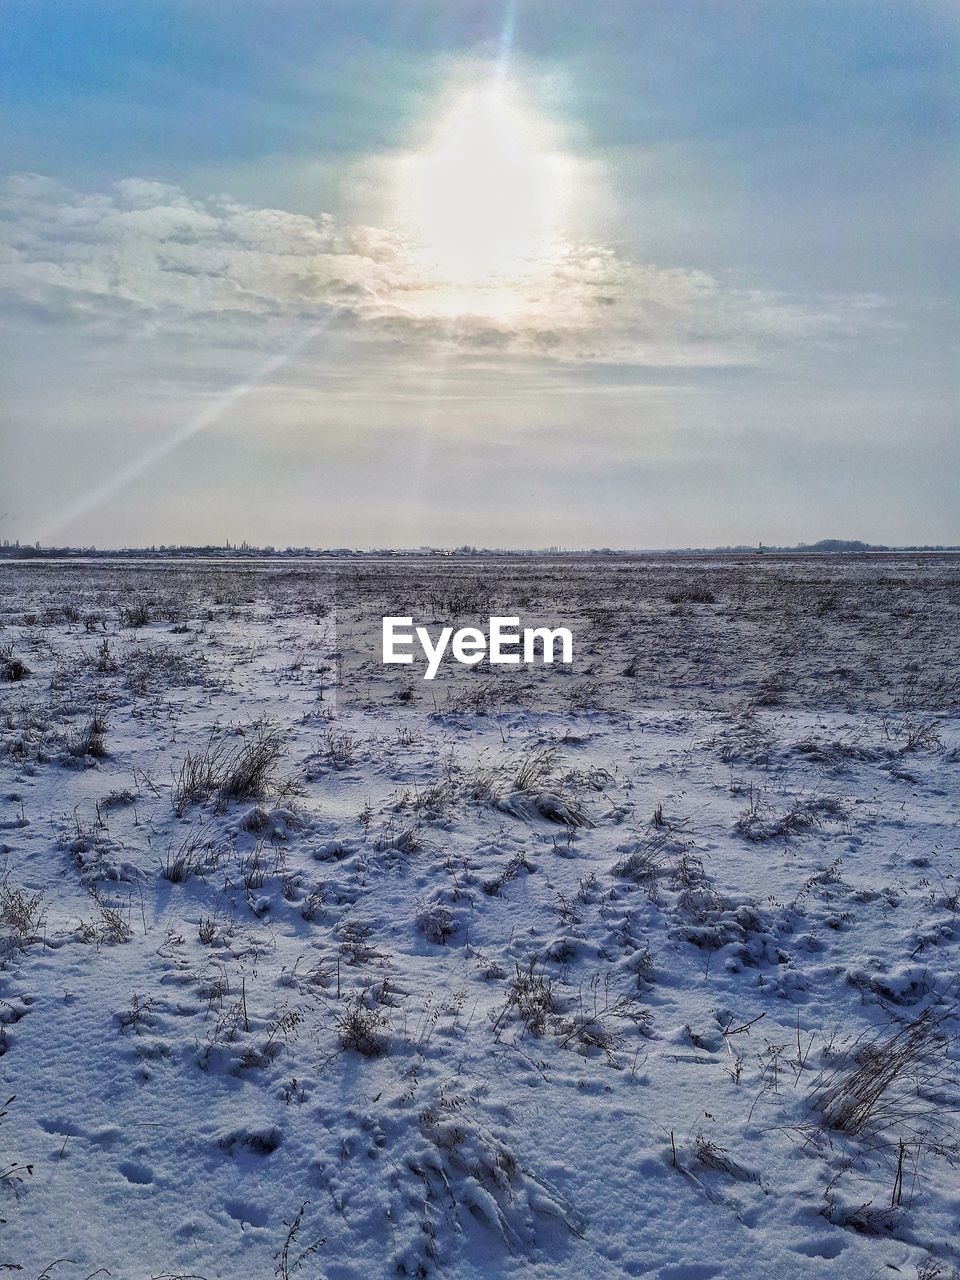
pixel 145 252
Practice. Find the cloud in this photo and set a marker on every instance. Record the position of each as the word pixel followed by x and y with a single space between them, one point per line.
pixel 146 255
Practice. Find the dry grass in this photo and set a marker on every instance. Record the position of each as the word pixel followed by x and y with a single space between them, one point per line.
pixel 362 1027
pixel 229 773
pixel 21 915
pixel 891 1080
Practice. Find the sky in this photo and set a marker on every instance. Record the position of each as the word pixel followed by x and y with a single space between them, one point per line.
pixel 512 273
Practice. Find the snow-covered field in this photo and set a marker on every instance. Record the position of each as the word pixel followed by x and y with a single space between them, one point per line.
pixel 641 967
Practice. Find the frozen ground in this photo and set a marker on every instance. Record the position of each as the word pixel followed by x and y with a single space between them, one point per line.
pixel 645 967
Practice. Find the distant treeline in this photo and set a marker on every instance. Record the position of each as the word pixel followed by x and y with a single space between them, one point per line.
pixel 826 546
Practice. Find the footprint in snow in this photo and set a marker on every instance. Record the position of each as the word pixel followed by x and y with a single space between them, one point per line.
pixel 136 1173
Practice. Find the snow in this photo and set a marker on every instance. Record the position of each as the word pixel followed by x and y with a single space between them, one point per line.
pixel 310 968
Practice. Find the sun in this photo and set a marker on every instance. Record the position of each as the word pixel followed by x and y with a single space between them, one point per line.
pixel 485 197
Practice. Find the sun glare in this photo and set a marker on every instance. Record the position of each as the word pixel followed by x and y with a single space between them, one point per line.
pixel 485 198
